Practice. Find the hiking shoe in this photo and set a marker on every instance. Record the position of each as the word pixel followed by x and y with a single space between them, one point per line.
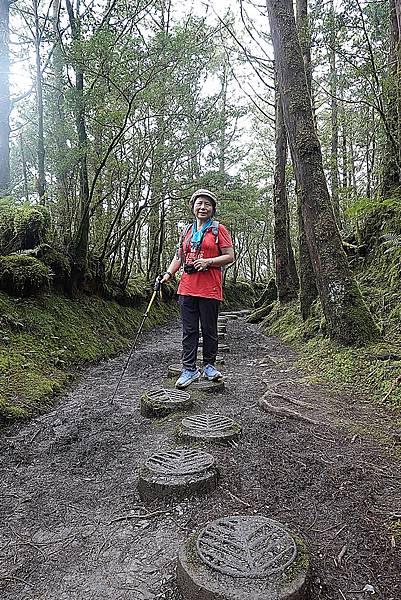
pixel 211 373
pixel 186 378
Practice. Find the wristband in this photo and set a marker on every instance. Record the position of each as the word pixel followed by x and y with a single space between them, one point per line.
pixel 169 274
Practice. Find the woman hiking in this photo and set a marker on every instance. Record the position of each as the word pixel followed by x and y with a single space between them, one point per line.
pixel 205 247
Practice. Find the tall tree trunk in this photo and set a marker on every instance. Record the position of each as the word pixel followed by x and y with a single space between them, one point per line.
pixel 156 212
pixel 335 197
pixel 39 108
pixel 81 238
pixel 303 28
pixel 60 137
pixel 348 318
pixel 287 284
pixel 398 77
pixel 344 148
pixel 391 176
pixel 4 98
pixel 223 126
pixel 307 279
pixel 24 169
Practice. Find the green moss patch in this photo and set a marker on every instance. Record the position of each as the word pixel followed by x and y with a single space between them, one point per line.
pixel 42 339
pixel 369 370
pixel 22 275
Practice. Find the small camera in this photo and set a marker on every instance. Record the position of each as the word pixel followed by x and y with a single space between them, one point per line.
pixel 188 268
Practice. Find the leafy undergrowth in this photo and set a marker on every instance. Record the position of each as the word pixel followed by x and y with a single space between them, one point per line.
pixel 42 339
pixel 372 371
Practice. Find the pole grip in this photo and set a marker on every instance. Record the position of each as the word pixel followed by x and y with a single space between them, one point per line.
pixel 158 283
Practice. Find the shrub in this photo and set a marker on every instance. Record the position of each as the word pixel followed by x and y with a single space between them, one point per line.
pixel 22 227
pixel 56 261
pixel 22 275
pixel 31 225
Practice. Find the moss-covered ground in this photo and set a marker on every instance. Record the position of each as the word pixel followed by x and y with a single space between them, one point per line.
pixel 43 339
pixel 371 370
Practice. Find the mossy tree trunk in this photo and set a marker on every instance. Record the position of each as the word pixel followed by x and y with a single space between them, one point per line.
pixel 81 237
pixel 62 182
pixel 38 35
pixel 391 175
pixel 307 279
pixel 335 196
pixel 286 275
pixel 348 318
pixel 4 98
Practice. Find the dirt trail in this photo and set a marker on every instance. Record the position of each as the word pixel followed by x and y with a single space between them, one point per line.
pixel 73 526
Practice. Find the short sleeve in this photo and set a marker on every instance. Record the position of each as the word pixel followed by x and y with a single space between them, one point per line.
pixel 225 240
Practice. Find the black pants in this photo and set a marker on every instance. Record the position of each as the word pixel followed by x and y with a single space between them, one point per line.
pixel 193 309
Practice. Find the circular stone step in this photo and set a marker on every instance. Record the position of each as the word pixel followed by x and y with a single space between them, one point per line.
pixel 229 316
pixel 159 403
pixel 178 472
pixel 204 385
pixel 209 427
pixel 174 371
pixel 242 558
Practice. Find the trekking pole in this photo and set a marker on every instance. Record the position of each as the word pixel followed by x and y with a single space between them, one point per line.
pixel 156 288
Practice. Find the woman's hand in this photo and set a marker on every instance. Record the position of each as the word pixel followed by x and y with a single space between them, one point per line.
pixel 202 264
pixel 165 277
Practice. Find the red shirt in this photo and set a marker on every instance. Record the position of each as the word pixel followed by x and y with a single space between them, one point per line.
pixel 206 284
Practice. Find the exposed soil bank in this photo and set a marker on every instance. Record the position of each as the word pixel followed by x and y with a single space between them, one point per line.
pixel 74 527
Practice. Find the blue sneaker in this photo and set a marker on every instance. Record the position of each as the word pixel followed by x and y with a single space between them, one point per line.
pixel 186 378
pixel 211 373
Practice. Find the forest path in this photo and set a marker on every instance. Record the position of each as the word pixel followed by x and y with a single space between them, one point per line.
pixel 73 526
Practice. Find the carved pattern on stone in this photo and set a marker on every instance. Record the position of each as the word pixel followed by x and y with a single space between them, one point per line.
pixel 168 396
pixel 212 424
pixel 246 546
pixel 181 461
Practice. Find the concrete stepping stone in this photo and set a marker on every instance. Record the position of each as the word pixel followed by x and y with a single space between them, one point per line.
pixel 210 387
pixel 179 472
pixel 229 316
pixel 159 403
pixel 243 558
pixel 209 428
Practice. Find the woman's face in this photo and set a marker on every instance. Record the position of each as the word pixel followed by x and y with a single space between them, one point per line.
pixel 203 208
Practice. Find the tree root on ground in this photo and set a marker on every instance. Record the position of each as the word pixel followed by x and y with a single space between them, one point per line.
pixel 271 392
pixel 285 412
